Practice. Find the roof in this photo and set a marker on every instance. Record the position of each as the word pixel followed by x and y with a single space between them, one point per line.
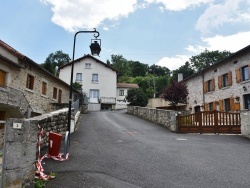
pixel 25 58
pixel 11 50
pixel 88 56
pixel 126 85
pixel 231 57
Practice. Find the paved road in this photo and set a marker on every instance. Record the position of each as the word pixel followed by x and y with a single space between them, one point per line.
pixel 115 149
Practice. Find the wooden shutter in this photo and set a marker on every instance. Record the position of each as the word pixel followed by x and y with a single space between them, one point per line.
pixel 221 102
pixel 232 108
pixel 230 79
pixel 214 105
pixel 44 88
pixel 237 106
pixel 220 81
pixel 238 75
pixel 2 78
pixel 205 87
pixel 206 107
pixel 213 84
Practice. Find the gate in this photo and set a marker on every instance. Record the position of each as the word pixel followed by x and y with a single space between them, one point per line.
pixel 209 122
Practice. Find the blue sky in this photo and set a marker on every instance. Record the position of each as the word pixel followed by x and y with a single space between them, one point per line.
pixel 162 32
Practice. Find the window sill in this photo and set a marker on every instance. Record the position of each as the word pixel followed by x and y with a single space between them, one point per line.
pixel 245 81
pixel 94 82
pixel 225 87
pixel 44 96
pixel 29 90
pixel 78 81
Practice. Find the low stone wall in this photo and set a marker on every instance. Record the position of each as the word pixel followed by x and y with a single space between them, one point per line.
pixel 166 118
pixel 245 123
pixel 20 145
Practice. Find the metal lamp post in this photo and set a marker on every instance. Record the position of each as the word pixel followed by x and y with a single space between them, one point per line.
pixel 95 50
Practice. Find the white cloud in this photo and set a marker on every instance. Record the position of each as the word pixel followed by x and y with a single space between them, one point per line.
pixel 77 14
pixel 180 5
pixel 173 63
pixel 231 43
pixel 232 11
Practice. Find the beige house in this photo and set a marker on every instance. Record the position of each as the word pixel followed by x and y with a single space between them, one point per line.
pixel 122 91
pixel 25 87
pixel 224 86
pixel 98 81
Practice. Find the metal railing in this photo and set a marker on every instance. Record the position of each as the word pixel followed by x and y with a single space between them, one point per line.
pixel 108 100
pixel 75 105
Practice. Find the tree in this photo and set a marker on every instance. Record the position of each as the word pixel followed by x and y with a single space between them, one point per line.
pixel 186 70
pixel 207 58
pixel 137 97
pixel 176 93
pixel 54 60
pixel 137 68
pixel 120 64
pixel 159 70
pixel 77 86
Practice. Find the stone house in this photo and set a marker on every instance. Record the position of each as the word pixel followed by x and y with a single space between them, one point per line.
pixel 26 89
pixel 224 86
pixel 122 91
pixel 98 81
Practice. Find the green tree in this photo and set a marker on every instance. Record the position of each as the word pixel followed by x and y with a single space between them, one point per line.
pixel 159 70
pixel 120 64
pixel 77 86
pixel 137 97
pixel 176 93
pixel 137 68
pixel 54 60
pixel 186 70
pixel 207 58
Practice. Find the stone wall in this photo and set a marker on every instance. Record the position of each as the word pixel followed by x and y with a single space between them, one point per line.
pixel 166 118
pixel 245 123
pixel 20 148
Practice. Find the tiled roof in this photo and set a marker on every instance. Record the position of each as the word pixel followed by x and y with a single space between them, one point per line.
pixel 11 50
pixel 126 85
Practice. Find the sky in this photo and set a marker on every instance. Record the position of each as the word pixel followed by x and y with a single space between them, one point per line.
pixel 161 32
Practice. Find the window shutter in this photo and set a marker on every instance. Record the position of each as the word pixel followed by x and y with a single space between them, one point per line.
pixel 205 87
pixel 232 108
pixel 32 82
pixel 206 106
pixel 2 78
pixel 238 75
pixel 220 81
pixel 230 79
pixel 213 84
pixel 237 106
pixel 214 105
pixel 221 105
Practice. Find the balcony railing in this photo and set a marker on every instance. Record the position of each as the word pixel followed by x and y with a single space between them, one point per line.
pixel 107 100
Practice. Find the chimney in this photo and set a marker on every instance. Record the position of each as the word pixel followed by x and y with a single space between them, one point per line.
pixel 180 77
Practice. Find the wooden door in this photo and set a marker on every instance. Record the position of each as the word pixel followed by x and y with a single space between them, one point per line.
pixel 2 78
pixel 60 96
pixel 2 118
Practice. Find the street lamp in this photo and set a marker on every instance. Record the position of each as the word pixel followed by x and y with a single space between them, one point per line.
pixel 95 50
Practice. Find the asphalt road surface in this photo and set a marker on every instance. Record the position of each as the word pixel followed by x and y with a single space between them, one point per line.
pixel 115 149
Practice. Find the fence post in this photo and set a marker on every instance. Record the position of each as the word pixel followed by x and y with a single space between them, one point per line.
pixel 216 128
pixel 199 114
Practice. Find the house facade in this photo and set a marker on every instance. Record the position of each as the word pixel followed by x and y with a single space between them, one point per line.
pixel 122 91
pixel 225 86
pixel 98 81
pixel 26 89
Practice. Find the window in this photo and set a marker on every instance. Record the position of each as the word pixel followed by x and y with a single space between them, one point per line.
pixel 87 65
pixel 227 105
pixel 210 106
pixel 225 80
pixel 95 78
pixel 60 96
pixel 55 93
pixel 78 77
pixel 121 93
pixel 94 93
pixel 245 73
pixel 2 78
pixel 247 101
pixel 209 85
pixel 30 82
pixel 44 88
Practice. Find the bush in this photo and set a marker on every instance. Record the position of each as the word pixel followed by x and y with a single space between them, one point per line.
pixel 137 97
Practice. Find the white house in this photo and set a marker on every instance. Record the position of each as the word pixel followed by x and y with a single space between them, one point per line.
pixel 122 91
pixel 98 81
